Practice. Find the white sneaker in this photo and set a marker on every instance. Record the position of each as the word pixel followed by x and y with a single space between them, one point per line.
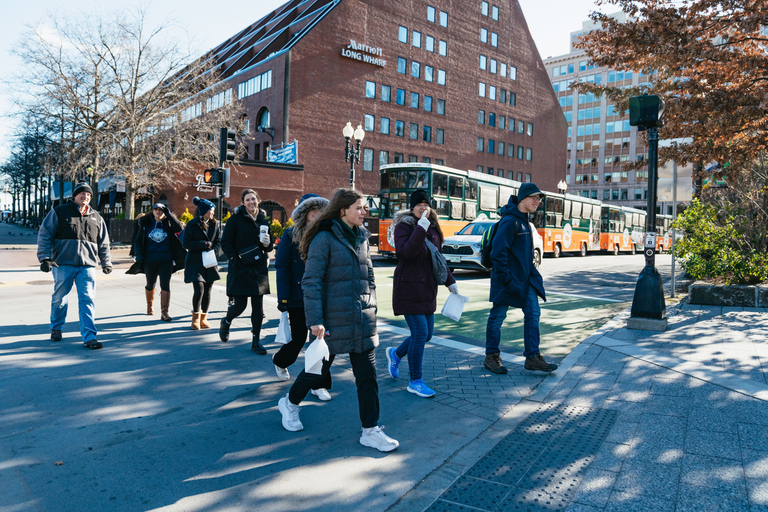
pixel 322 394
pixel 376 438
pixel 290 412
pixel 282 373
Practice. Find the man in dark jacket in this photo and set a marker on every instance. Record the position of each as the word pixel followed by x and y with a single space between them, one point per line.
pixel 515 281
pixel 72 240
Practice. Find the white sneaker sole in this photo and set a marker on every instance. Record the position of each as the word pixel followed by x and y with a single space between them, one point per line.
pixel 422 395
pixel 324 396
pixel 285 413
pixel 385 448
pixel 282 375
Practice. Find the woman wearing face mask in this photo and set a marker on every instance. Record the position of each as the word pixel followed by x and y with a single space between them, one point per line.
pixel 159 253
pixel 414 292
pixel 201 234
pixel 290 269
pixel 246 242
pixel 340 307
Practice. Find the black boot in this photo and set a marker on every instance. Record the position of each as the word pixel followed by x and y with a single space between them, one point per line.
pixel 224 330
pixel 256 345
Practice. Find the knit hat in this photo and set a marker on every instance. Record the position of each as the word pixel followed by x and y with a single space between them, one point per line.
pixel 527 189
pixel 420 196
pixel 307 203
pixel 203 205
pixel 159 205
pixel 82 187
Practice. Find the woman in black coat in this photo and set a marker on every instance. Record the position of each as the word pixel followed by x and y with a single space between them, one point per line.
pixel 158 252
pixel 246 242
pixel 201 234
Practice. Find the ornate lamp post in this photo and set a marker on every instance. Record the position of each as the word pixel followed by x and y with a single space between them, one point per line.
pixel 351 154
pixel 562 186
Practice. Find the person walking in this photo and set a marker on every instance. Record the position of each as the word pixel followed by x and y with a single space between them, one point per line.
pixel 415 291
pixel 515 281
pixel 72 240
pixel 159 253
pixel 200 235
pixel 340 307
pixel 247 242
pixel 290 269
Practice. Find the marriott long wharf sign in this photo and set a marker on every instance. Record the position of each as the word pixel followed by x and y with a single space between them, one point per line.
pixel 363 53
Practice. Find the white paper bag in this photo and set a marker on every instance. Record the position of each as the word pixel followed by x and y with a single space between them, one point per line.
pixel 454 306
pixel 314 355
pixel 283 330
pixel 209 258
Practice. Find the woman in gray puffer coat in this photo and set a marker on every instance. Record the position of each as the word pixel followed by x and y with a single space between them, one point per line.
pixel 340 306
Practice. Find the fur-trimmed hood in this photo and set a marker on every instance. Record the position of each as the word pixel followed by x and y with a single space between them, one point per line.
pixel 406 217
pixel 312 203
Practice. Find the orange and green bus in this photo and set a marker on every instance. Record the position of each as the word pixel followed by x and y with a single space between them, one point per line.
pixel 621 229
pixel 568 223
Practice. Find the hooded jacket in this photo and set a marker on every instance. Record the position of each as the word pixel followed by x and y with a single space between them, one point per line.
pixel 67 237
pixel 171 225
pixel 242 232
pixel 512 255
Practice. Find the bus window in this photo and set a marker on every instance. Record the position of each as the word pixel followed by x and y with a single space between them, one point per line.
pixel 398 201
pixel 586 211
pixel 471 190
pixel 567 206
pixel 554 209
pixel 537 217
pixel 488 199
pixel 418 179
pixel 398 179
pixel 576 210
pixel 470 211
pixel 457 210
pixel 384 180
pixel 439 185
pixel 596 213
pixel 441 207
pixel 456 187
pixel 614 220
pixel 504 193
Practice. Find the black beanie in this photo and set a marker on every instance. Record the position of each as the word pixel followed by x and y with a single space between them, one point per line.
pixel 82 187
pixel 420 196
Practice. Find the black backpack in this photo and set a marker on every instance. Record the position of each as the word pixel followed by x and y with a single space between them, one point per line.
pixel 486 244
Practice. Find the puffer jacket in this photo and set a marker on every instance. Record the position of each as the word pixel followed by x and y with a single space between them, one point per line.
pixel 242 232
pixel 512 255
pixel 339 290
pixel 194 238
pixel 67 237
pixel 171 225
pixel 414 291
pixel 289 268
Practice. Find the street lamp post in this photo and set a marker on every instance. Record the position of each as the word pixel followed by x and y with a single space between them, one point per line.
pixel 562 186
pixel 352 154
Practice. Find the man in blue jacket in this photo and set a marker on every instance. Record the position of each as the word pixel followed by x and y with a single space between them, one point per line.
pixel 72 240
pixel 515 281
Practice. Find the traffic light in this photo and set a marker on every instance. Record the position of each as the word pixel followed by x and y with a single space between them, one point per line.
pixel 213 176
pixel 226 146
pixel 646 111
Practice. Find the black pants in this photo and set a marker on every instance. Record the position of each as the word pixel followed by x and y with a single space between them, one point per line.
pixel 163 269
pixel 289 352
pixel 364 368
pixel 257 311
pixel 201 296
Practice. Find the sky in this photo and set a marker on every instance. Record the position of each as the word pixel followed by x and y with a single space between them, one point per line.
pixel 208 26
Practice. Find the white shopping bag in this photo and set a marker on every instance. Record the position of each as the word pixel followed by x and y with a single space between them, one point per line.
pixel 454 306
pixel 283 330
pixel 209 258
pixel 314 355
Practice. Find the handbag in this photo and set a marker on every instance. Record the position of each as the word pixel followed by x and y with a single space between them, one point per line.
pixel 454 306
pixel 283 335
pixel 250 255
pixel 439 265
pixel 209 258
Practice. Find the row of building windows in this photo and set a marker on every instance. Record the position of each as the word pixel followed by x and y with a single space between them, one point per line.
pixel 493 11
pixel 429 71
pixel 510 174
pixel 398 158
pixel 385 127
pixel 566 69
pixel 432 16
pixel 594 145
pixel 611 177
pixel 494 39
pixel 416 41
pixel 499 147
pixel 584 130
pixel 429 103
pixel 218 100
pixel 522 126
pixel 253 85
pixel 489 91
pixel 494 67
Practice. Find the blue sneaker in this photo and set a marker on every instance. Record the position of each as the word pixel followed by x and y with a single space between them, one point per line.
pixel 418 388
pixel 392 362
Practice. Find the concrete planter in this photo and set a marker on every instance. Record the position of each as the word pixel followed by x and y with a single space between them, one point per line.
pixel 754 296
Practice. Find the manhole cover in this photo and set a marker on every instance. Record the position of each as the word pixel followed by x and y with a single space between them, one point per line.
pixel 40 282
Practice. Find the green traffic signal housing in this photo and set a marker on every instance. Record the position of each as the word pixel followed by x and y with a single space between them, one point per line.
pixel 646 111
pixel 226 146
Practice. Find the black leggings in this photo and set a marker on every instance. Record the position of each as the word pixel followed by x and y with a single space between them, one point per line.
pixel 257 311
pixel 163 269
pixel 289 352
pixel 201 296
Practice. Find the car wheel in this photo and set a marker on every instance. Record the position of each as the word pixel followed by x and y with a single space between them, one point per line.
pixel 557 251
pixel 536 258
pixel 583 251
pixel 616 250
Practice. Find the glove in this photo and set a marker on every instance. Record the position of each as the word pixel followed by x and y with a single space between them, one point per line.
pixel 424 221
pixel 282 306
pixel 46 265
pixel 454 288
pixel 107 270
pixel 208 245
pixel 264 239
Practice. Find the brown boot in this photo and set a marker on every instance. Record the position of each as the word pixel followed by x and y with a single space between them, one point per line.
pixel 493 363
pixel 195 321
pixel 165 302
pixel 150 294
pixel 537 362
pixel 204 321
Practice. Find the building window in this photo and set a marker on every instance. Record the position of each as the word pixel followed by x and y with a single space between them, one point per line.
pixel 528 154
pixel 401 65
pixel 484 8
pixel 479 168
pixel 369 122
pixel 520 127
pixel 492 119
pixel 370 90
pixel 426 160
pixel 414 100
pixel 415 69
pixel 502 122
pixel 414 131
pixel 386 93
pixel 429 44
pixel 253 85
pixel 428 73
pixel 491 146
pixel 416 38
pixel 624 194
pixel 528 177
pixel 441 107
pixel 520 152
pixel 398 158
pixel 367 159
pixel 529 129
pixel 400 99
pixel 402 35
pixel 511 150
pixel 413 158
pixel 384 125
pixel 383 158
pixel 606 194
pixel 427 133
pixel 500 151
pixel 492 92
pixel 512 73
pixel 513 99
pixel 480 144
pixel 483 62
pixel 400 128
pixel 494 39
pixel 440 136
pixel 481 116
pixel 503 70
pixel 439 161
pixel 442 48
pixel 490 171
pixel 430 13
pixel 441 80
pixel 443 19
pixel 493 66
pixel 483 35
pixel 481 89
pixel 495 13
pixel 511 124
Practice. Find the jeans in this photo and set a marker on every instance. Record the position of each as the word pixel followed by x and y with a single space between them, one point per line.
pixel 531 314
pixel 83 278
pixel 421 327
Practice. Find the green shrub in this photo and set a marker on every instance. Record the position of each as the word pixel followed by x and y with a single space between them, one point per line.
pixel 186 216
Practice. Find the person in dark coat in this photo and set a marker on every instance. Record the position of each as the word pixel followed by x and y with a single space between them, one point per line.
pixel 414 293
pixel 247 242
pixel 515 281
pixel 201 234
pixel 158 252
pixel 340 306
pixel 290 269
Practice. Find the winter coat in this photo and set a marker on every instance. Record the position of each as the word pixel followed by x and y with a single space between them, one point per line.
pixel 289 268
pixel 512 256
pixel 240 233
pixel 414 291
pixel 339 290
pixel 67 237
pixel 171 226
pixel 194 238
